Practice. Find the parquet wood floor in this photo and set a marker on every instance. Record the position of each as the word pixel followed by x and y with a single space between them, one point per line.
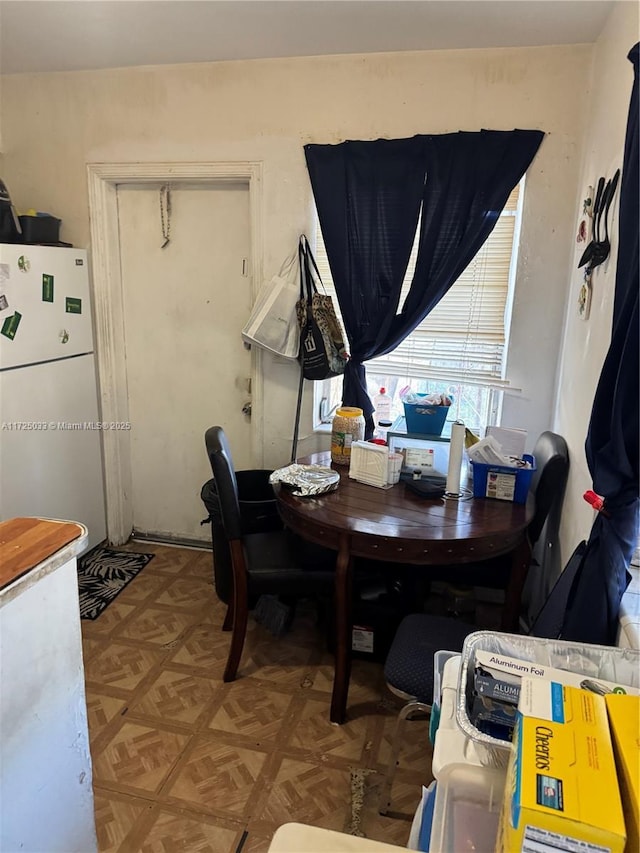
pixel 184 762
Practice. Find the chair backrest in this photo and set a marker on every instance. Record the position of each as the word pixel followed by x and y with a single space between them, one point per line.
pixel 225 478
pixel 549 480
pixel 548 623
pixel 549 484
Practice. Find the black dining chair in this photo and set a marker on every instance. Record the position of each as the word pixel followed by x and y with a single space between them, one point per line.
pixel 409 665
pixel 409 669
pixel 548 485
pixel 274 562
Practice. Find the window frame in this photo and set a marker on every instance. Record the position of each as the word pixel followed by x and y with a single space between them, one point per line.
pixel 323 412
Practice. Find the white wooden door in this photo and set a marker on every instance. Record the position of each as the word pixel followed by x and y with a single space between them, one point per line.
pixel 187 368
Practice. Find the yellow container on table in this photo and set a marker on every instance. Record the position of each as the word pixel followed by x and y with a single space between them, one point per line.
pixel 562 790
pixel 347 426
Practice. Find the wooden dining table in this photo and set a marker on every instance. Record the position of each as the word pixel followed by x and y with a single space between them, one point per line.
pixel 397 526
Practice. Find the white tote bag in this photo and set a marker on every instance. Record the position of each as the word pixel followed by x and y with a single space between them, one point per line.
pixel 273 324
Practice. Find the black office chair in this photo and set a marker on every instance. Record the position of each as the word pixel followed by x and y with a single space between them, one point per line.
pixel 409 665
pixel 274 562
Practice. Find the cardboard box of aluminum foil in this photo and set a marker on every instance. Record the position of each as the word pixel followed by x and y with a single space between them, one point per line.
pixel 562 790
pixel 511 670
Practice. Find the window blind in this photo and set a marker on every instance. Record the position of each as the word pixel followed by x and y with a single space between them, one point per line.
pixel 464 336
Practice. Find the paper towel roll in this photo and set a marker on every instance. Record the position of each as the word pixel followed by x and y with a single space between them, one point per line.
pixel 455 459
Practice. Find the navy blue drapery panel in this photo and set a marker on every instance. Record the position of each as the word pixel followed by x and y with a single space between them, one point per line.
pixel 368 196
pixel 612 440
pixel 469 179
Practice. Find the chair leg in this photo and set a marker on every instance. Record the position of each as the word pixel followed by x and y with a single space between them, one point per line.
pixel 403 716
pixel 227 625
pixel 237 644
pixel 240 611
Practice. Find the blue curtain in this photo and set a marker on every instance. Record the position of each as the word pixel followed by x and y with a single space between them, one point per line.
pixel 369 196
pixel 612 440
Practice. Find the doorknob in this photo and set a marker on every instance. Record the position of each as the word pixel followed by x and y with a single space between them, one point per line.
pixel 246 409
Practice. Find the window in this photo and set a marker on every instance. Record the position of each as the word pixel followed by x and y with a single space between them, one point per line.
pixel 460 347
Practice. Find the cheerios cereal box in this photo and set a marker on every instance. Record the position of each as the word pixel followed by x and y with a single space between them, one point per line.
pixel 562 790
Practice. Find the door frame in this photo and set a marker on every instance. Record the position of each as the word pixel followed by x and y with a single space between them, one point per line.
pixel 108 305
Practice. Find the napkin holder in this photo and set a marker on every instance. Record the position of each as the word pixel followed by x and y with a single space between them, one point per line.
pixel 374 465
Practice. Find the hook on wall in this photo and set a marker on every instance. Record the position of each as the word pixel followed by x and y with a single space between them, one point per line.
pixel 165 214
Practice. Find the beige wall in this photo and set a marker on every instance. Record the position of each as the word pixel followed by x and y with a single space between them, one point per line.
pixel 53 124
pixel 585 343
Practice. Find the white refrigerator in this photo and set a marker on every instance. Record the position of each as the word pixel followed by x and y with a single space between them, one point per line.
pixel 50 435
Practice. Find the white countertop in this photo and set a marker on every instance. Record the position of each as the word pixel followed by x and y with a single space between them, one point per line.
pixel 299 838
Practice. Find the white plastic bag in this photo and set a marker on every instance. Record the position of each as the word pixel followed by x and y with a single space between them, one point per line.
pixel 273 324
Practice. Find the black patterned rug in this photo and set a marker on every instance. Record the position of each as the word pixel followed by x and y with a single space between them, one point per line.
pixel 103 574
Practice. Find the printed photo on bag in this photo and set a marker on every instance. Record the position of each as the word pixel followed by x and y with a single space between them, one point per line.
pixel 322 353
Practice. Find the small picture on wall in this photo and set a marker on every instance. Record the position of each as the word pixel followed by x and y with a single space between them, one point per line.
pixel 584 223
pixel 584 299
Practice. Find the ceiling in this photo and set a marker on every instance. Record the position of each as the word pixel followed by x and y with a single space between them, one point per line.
pixel 71 35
